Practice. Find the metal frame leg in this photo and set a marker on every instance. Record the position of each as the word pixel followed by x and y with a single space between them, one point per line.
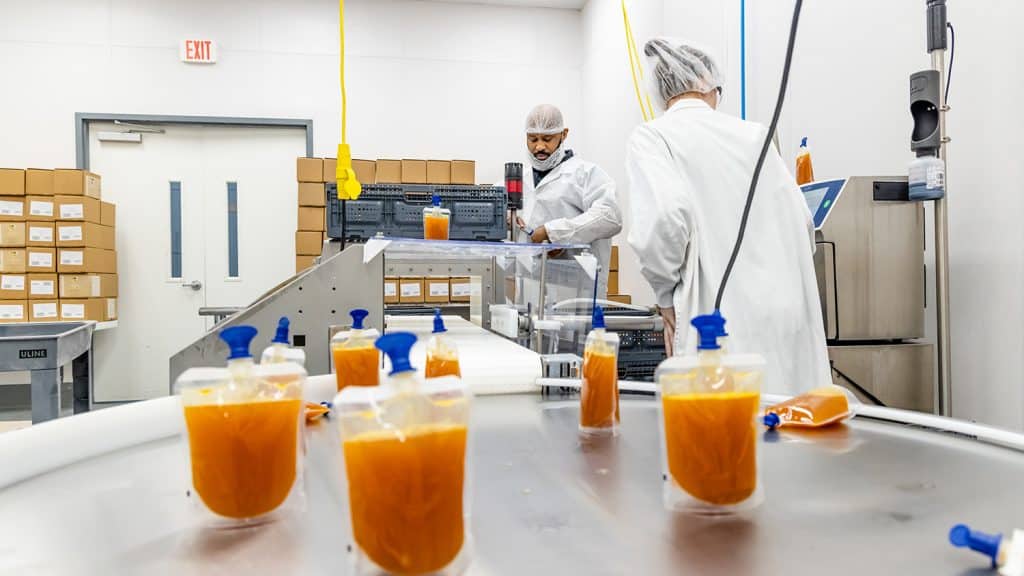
pixel 81 378
pixel 45 395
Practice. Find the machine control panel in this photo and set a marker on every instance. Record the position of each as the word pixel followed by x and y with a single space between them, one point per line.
pixel 821 197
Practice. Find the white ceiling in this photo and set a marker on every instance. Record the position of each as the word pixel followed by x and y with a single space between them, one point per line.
pixel 566 4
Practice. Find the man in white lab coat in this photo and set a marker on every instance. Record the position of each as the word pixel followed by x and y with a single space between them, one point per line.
pixel 566 200
pixel 689 173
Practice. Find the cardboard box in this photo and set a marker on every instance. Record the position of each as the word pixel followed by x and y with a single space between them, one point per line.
pixel 80 260
pixel 366 171
pixel 391 290
pixel 389 172
pixel 311 194
pixel 410 290
pixel 303 262
pixel 12 234
pixel 42 286
pixel 41 259
pixel 39 234
pixel 460 289
pixel 38 182
pixel 86 309
pixel 75 234
pixel 40 208
pixel 13 287
pixel 76 183
pixel 43 311
pixel 12 182
pixel 12 260
pixel 13 311
pixel 309 170
pixel 439 172
pixel 108 214
pixel 437 289
pixel 613 262
pixel 311 219
pixel 463 172
pixel 613 282
pixel 78 208
pixel 330 173
pixel 414 171
pixel 88 286
pixel 12 208
pixel 308 243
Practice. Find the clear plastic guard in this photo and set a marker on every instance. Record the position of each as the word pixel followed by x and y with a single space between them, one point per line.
pixel 412 247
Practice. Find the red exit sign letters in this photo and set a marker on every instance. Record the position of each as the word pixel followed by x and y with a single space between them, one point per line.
pixel 198 51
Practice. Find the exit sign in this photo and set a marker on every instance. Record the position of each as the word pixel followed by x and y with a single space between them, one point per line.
pixel 197 51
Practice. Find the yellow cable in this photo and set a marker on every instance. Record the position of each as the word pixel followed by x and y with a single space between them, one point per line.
pixel 636 68
pixel 349 187
pixel 341 69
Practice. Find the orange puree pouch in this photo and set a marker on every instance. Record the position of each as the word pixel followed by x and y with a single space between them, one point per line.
pixel 814 409
pixel 436 220
pixel 442 355
pixel 243 433
pixel 599 392
pixel 406 469
pixel 708 406
pixel 356 361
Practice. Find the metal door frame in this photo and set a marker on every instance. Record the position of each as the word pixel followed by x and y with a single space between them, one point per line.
pixel 82 120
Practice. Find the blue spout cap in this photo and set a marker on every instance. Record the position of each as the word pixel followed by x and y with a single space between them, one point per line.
pixel 803 142
pixel 435 200
pixel 962 536
pixel 238 339
pixel 281 336
pixel 438 322
pixel 771 420
pixel 397 346
pixel 598 319
pixel 709 328
pixel 358 315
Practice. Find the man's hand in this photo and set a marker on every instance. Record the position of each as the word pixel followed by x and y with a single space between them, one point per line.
pixel 668 316
pixel 539 235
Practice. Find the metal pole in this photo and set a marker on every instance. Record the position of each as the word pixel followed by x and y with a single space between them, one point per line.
pixel 942 253
pixel 541 300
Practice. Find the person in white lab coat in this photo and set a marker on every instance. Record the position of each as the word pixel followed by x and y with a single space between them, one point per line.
pixel 689 173
pixel 566 200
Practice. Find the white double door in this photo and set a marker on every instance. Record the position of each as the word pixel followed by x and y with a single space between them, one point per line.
pixel 205 217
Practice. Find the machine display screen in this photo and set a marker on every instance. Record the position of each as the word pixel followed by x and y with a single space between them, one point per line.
pixel 821 197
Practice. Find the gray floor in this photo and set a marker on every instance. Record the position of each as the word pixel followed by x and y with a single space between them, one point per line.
pixel 16 402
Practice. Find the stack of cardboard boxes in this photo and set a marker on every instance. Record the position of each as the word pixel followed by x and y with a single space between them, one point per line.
pixel 613 280
pixel 427 290
pixel 443 172
pixel 311 174
pixel 57 258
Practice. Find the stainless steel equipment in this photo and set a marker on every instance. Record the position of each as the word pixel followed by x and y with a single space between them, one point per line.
pixel 870 267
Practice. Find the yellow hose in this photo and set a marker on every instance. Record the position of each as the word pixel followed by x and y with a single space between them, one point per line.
pixel 349 187
pixel 636 68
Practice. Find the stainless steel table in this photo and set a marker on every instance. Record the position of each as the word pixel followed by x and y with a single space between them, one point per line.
pixel 867 498
pixel 43 349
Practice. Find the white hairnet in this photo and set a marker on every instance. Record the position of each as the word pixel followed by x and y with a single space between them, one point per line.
pixel 544 119
pixel 675 67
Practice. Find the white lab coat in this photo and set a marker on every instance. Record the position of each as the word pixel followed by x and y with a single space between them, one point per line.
pixel 689 173
pixel 576 204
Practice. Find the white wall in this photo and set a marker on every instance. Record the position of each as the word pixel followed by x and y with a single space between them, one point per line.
pixel 425 79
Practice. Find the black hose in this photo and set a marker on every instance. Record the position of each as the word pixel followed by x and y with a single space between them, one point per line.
pixel 952 55
pixel 871 397
pixel 764 153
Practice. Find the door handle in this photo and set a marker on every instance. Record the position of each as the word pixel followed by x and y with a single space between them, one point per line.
pixel 195 285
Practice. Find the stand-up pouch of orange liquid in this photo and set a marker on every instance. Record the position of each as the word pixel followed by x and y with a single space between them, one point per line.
pixel 814 409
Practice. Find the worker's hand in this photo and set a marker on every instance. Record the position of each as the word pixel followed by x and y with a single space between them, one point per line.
pixel 539 235
pixel 668 316
pixel 520 223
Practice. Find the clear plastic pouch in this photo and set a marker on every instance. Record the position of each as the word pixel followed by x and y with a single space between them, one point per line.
pixel 244 433
pixel 442 355
pixel 356 360
pixel 708 406
pixel 436 221
pixel 813 409
pixel 405 454
pixel 599 392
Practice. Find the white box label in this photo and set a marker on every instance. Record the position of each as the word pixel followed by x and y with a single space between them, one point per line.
pixel 461 289
pixel 70 233
pixel 72 257
pixel 73 311
pixel 12 282
pixel 111 308
pixel 438 288
pixel 12 312
pixel 44 310
pixel 9 208
pixel 40 208
pixel 40 260
pixel 410 290
pixel 41 288
pixel 44 234
pixel 95 285
pixel 390 289
pixel 72 211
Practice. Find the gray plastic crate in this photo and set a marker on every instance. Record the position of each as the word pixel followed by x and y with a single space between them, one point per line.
pixel 478 212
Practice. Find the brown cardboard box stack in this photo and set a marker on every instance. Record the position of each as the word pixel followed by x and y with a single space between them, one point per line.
pixel 613 280
pixel 311 174
pixel 56 232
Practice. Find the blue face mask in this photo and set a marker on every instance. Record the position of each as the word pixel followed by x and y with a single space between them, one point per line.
pixel 550 162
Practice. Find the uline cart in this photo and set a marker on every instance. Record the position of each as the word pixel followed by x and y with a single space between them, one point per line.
pixel 42 349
